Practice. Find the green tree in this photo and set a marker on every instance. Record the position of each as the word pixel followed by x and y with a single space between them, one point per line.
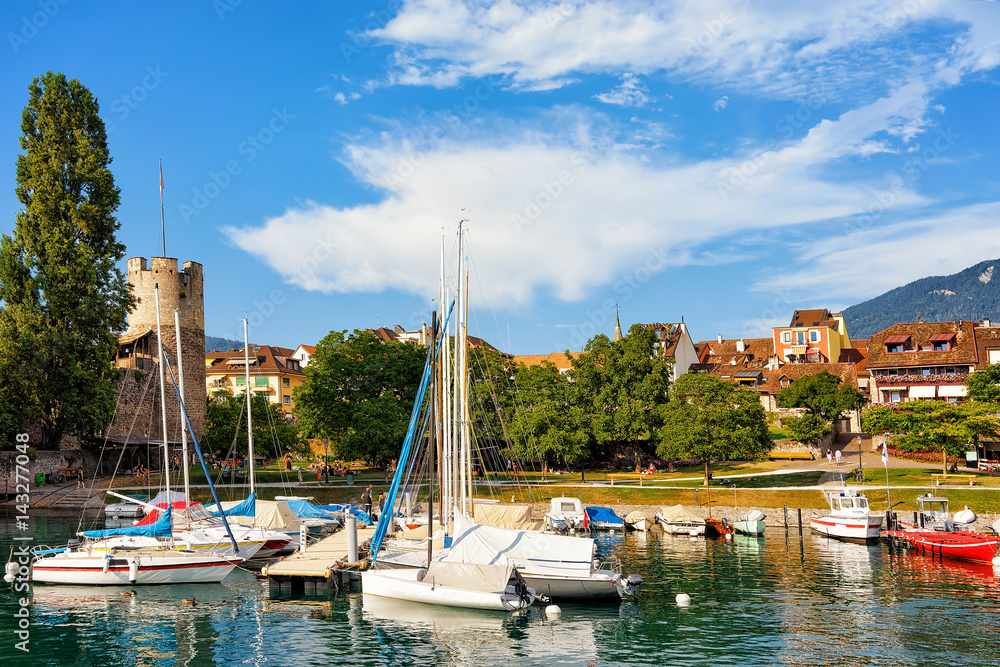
pixel 226 426
pixel 934 426
pixel 713 420
pixel 359 393
pixel 547 422
pixel 62 300
pixel 622 388
pixel 822 394
pixel 984 385
pixel 806 428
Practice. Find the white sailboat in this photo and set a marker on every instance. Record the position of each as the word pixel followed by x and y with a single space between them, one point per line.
pixel 75 564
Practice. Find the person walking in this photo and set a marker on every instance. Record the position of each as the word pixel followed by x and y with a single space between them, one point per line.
pixel 300 476
pixel 381 502
pixel 366 500
pixel 838 456
pixel 829 456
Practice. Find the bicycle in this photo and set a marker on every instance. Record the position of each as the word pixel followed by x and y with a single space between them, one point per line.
pixel 859 475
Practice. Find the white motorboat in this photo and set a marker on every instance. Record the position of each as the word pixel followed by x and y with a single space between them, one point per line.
pixel 566 514
pixel 679 520
pixel 467 585
pixel 125 510
pixel 849 518
pixel 638 521
pixel 130 567
pixel 752 524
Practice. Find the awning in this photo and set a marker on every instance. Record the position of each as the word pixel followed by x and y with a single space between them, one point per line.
pixel 941 337
pixel 923 392
pixel 952 390
pixel 896 339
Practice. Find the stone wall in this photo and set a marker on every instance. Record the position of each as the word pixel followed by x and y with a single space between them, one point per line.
pixel 182 291
pixel 49 461
pixel 818 450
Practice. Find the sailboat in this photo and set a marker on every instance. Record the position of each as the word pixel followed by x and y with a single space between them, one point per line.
pixel 82 564
pixel 556 566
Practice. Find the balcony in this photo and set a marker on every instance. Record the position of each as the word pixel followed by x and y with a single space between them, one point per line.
pixel 939 378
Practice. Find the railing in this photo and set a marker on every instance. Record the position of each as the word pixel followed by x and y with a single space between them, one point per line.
pixel 916 379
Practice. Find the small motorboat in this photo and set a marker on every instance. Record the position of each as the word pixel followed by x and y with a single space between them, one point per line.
pixel 566 514
pixel 849 518
pixel 638 521
pixel 752 524
pixel 718 527
pixel 937 533
pixel 127 509
pixel 604 518
pixel 679 520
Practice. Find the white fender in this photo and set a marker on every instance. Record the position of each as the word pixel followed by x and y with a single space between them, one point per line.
pixel 133 571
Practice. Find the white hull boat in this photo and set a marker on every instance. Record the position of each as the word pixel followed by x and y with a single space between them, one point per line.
pixel 849 519
pixel 638 521
pixel 131 568
pixel 678 520
pixel 471 586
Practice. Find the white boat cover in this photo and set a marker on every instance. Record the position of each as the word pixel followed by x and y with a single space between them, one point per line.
pixel 537 553
pixel 469 576
pixel 514 517
pixel 635 516
pixel 679 514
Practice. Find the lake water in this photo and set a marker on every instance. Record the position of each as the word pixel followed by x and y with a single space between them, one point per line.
pixel 778 600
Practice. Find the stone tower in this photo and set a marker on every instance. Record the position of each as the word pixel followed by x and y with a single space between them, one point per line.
pixel 182 291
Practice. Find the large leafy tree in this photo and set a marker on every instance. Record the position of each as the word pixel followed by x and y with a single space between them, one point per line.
pixel 226 426
pixel 822 394
pixel 984 385
pixel 934 426
pixel 713 420
pixel 62 299
pixel 622 388
pixel 359 394
pixel 546 421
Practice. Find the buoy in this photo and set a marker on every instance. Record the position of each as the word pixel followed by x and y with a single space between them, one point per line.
pixel 12 568
pixel 729 536
pixel 133 571
pixel 683 600
pixel 553 610
pixel 9 577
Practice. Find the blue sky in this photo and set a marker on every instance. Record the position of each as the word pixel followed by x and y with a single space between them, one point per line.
pixel 722 161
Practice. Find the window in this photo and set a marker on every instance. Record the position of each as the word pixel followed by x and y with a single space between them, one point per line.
pixel 894 347
pixel 241 380
pixel 286 399
pixel 786 337
pixel 813 336
pixel 942 345
pixel 925 371
pixel 285 382
pixel 801 336
pixel 260 381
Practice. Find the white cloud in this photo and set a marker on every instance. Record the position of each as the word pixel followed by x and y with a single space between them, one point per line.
pixel 796 51
pixel 631 92
pixel 556 212
pixel 860 264
pixel 346 99
pixel 720 103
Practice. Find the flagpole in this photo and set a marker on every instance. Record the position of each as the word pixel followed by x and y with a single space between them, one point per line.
pixel 163 231
pixel 885 462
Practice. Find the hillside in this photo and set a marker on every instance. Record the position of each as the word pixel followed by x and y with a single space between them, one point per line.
pixel 972 294
pixel 213 343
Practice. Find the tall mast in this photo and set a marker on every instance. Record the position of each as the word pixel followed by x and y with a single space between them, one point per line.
pixel 460 398
pixel 445 416
pixel 163 394
pixel 466 435
pixel 184 439
pixel 433 443
pixel 246 364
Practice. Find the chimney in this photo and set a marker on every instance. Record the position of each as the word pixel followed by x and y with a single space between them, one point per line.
pixel 741 346
pixel 986 322
pixel 720 339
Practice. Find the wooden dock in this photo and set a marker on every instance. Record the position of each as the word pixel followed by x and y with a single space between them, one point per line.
pixel 322 567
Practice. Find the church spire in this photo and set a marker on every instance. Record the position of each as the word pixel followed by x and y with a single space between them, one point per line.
pixel 618 326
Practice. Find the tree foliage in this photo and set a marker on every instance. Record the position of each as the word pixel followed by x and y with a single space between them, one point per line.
pixel 359 394
pixel 622 390
pixel 226 426
pixel 929 426
pixel 547 422
pixel 984 385
pixel 821 394
pixel 62 299
pixel 711 419
pixel 806 428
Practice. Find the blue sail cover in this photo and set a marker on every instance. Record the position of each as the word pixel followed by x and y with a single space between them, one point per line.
pixel 359 513
pixel 246 508
pixel 604 515
pixel 306 510
pixel 159 528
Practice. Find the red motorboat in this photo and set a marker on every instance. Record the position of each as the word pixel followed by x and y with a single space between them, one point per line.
pixel 962 544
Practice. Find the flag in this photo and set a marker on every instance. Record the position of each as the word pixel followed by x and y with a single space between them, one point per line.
pixel 885 455
pixel 161 180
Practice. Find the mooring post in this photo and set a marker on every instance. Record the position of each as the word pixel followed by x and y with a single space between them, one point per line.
pixel 786 518
pixel 800 521
pixel 352 538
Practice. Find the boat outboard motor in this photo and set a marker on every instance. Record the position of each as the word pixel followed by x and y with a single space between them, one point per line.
pixel 949 526
pixel 631 584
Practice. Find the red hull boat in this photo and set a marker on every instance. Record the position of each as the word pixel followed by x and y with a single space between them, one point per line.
pixel 961 544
